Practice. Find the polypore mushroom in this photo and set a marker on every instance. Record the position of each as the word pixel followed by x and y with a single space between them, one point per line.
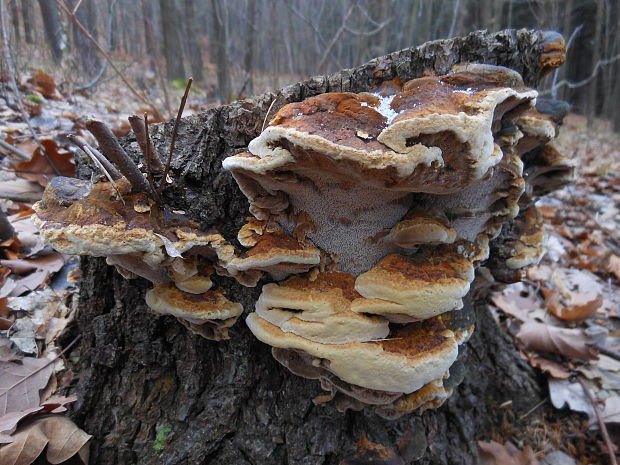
pixel 341 156
pixel 319 310
pixel 421 287
pixel 401 189
pixel 274 251
pixel 120 220
pixel 209 314
pixel 422 227
pixel 415 354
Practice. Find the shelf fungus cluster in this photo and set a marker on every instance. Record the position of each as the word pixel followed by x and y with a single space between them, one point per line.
pixel 120 219
pixel 378 218
pixel 373 211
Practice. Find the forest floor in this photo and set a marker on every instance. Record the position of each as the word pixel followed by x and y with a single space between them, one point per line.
pixel 564 318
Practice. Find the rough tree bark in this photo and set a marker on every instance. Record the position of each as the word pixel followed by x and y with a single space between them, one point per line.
pixel 230 401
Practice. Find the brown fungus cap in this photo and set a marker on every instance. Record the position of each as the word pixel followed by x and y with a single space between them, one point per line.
pixel 167 299
pixel 413 356
pixel 275 252
pixel 529 247
pixel 421 227
pixel 80 219
pixel 319 310
pixel 547 170
pixel 378 138
pixel 349 163
pixel 420 287
pixel 537 129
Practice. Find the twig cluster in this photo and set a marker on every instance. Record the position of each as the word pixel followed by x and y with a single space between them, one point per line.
pixel 114 162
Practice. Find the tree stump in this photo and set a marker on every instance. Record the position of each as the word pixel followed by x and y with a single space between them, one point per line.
pixel 150 391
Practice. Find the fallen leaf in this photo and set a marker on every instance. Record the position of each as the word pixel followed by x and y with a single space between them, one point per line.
pixel 557 457
pixel 563 341
pixel 516 301
pixel 577 294
pixel 44 83
pixel 564 393
pixel 38 169
pixel 611 413
pixel 23 336
pixel 614 266
pixel 494 453
pixel 51 262
pixel 9 421
pixel 57 434
pixel 548 366
pixel 20 383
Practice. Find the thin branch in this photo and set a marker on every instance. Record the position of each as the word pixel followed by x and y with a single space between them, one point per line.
pixel 583 82
pixel 148 157
pixel 104 64
pixel 99 165
pixel 601 423
pixel 93 152
pixel 143 98
pixel 22 155
pixel 267 114
pixel 174 134
pixel 9 63
pixel 556 73
pixel 336 37
pixel 31 374
pixel 138 126
pixel 112 149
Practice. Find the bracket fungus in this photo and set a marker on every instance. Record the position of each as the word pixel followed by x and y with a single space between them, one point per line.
pixel 398 195
pixel 378 218
pixel 120 219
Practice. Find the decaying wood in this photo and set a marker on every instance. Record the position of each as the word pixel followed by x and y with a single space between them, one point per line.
pixel 230 401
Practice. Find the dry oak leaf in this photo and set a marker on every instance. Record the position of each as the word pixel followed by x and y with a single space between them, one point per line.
pixel 563 341
pixel 516 301
pixel 20 383
pixel 550 367
pixel 9 421
pixel 577 294
pixel 494 453
pixel 37 169
pixel 62 437
pixel 614 266
pixel 44 83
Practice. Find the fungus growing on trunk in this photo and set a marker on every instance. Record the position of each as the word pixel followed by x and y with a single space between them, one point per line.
pixel 399 192
pixel 120 220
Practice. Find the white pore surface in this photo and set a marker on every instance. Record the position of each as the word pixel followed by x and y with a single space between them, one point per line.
pixel 348 218
pixel 476 199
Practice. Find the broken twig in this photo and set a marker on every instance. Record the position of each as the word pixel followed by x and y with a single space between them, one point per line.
pixel 174 134
pixel 601 423
pixel 138 126
pixel 112 149
pixel 92 152
pixel 148 157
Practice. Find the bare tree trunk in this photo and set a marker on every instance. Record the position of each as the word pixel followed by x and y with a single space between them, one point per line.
pixel 248 60
pixel 591 104
pixel 229 402
pixel 15 13
pixel 173 50
pixel 53 32
pixel 224 90
pixel 27 12
pixel 191 39
pixel 88 56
